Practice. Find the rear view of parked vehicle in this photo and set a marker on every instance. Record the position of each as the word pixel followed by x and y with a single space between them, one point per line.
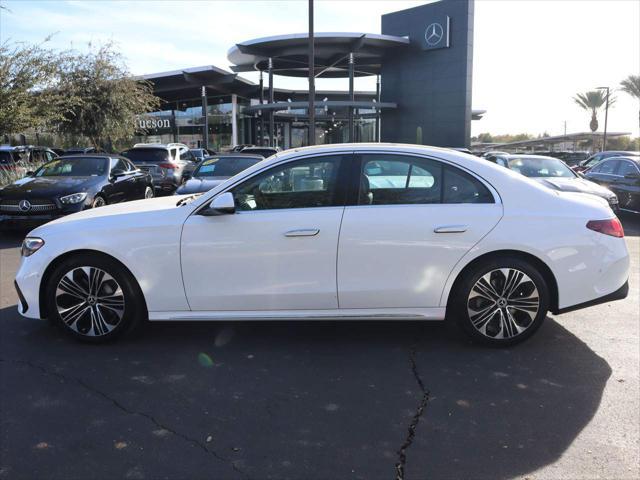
pixel 344 232
pixel 165 163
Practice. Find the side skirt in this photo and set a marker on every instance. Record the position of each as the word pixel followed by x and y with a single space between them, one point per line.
pixel 437 313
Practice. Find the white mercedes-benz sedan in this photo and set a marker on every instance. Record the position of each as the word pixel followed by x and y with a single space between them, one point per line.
pixel 344 232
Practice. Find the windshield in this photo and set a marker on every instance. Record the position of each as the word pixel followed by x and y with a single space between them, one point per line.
pixel 540 167
pixel 224 166
pixel 147 155
pixel 73 167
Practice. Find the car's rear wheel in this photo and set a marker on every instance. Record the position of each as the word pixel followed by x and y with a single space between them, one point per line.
pixel 93 298
pixel 148 192
pixel 501 301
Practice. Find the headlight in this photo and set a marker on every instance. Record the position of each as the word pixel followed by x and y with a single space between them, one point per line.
pixel 31 245
pixel 74 198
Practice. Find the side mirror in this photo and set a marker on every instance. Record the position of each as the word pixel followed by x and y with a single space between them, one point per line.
pixel 221 205
pixel 29 173
pixel 115 173
pixel 186 176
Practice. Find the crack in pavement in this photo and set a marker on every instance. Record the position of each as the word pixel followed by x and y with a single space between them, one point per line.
pixel 411 431
pixel 126 410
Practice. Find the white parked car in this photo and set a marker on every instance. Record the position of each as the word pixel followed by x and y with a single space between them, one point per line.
pixel 360 231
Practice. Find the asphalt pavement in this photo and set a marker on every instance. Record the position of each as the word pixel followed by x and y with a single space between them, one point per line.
pixel 321 400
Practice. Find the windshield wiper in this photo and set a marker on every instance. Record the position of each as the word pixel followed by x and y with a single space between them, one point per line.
pixel 185 200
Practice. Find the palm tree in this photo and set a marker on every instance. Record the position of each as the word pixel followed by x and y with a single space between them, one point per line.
pixel 631 85
pixel 593 101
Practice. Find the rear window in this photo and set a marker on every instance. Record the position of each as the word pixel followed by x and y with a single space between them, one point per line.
pixel 147 155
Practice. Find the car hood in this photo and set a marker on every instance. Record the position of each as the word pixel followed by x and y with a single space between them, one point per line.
pixel 199 185
pixel 579 185
pixel 30 187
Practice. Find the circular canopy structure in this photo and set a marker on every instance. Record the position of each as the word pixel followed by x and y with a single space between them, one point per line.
pixel 289 54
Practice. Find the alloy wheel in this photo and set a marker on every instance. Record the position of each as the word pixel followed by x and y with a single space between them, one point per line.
pixel 99 202
pixel 148 193
pixel 90 301
pixel 503 303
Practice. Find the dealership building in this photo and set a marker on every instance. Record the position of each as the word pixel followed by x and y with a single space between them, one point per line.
pixel 422 61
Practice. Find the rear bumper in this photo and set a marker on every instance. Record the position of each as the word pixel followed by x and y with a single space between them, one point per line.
pixel 619 294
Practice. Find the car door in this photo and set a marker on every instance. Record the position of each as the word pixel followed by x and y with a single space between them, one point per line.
pixel 278 251
pixel 604 173
pixel 627 186
pixel 121 187
pixel 414 218
pixel 139 181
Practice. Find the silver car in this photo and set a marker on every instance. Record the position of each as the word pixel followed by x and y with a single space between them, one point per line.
pixel 166 163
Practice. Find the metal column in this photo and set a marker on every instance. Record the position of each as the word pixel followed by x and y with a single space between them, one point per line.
pixel 351 97
pixel 261 139
pixel 205 127
pixel 271 113
pixel 312 80
pixel 234 119
pixel 377 132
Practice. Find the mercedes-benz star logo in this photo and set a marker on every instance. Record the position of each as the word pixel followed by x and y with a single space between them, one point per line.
pixel 24 205
pixel 433 34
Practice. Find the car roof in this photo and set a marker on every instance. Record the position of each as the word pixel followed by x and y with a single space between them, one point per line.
pixel 234 154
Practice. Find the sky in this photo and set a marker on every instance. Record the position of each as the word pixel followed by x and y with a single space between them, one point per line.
pixel 530 56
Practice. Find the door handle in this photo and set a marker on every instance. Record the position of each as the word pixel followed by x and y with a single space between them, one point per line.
pixel 302 232
pixel 451 229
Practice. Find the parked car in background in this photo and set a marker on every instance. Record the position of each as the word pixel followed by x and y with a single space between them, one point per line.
pixel 239 148
pixel 555 174
pixel 393 231
pixel 570 158
pixel 166 163
pixel 82 151
pixel 200 154
pixel 622 176
pixel 16 161
pixel 493 153
pixel 213 171
pixel 71 184
pixel 263 151
pixel 598 157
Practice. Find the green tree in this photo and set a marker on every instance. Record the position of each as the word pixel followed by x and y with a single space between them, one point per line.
pixel 28 80
pixel 103 97
pixel 631 86
pixel 592 102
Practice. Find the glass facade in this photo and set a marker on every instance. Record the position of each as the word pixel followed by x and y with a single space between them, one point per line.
pixel 183 121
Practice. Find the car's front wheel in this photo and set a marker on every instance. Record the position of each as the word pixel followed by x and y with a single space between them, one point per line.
pixel 93 298
pixel 501 301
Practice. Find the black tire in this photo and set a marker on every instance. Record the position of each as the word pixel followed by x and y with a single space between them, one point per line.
pixel 117 286
pixel 98 201
pixel 502 327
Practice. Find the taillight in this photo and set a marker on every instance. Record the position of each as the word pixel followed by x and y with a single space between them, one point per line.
pixel 611 227
pixel 167 166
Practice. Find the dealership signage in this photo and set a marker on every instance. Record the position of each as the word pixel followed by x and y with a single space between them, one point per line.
pixel 150 123
pixel 436 34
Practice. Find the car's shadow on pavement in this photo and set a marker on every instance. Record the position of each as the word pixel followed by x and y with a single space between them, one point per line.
pixel 292 400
